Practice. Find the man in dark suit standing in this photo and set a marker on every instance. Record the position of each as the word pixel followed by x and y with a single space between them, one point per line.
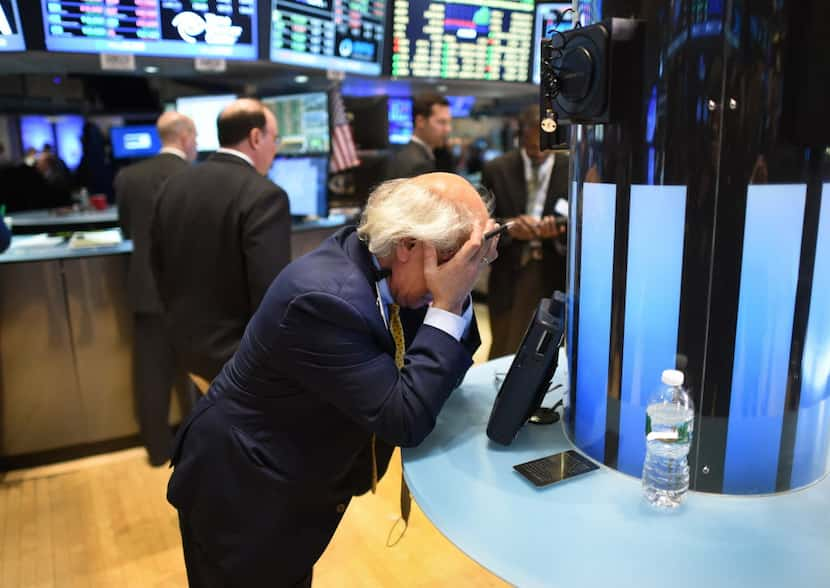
pixel 354 350
pixel 528 185
pixel 221 233
pixel 431 128
pixel 154 366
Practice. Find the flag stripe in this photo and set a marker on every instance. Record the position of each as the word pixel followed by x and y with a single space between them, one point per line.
pixel 344 151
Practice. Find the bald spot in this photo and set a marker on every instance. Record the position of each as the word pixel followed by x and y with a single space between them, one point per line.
pixel 456 189
pixel 242 105
pixel 172 125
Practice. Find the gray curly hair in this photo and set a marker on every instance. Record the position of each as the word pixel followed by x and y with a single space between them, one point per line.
pixel 402 209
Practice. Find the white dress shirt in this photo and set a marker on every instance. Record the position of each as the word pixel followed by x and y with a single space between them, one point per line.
pixel 174 151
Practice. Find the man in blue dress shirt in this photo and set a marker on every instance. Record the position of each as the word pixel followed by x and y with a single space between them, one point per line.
pixel 307 412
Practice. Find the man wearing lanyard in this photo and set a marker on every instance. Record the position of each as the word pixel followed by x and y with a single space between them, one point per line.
pixel 530 188
pixel 354 350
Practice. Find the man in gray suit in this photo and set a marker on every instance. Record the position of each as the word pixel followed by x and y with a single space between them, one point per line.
pixel 528 185
pixel 154 366
pixel 432 125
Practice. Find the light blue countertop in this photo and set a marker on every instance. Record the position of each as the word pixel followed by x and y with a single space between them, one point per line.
pixel 595 530
pixel 51 218
pixel 18 254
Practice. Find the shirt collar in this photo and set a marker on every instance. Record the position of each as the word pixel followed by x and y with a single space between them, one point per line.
pixel 383 286
pixel 173 151
pixel 549 160
pixel 427 148
pixel 238 154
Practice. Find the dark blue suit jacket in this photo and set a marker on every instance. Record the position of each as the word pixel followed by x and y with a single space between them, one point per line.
pixel 268 460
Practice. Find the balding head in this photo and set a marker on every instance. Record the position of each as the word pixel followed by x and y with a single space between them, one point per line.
pixel 248 126
pixel 177 131
pixel 438 208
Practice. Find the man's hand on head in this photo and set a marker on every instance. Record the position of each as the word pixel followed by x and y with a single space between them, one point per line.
pixel 451 282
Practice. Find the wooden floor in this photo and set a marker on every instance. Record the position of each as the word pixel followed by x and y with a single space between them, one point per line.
pixel 104 521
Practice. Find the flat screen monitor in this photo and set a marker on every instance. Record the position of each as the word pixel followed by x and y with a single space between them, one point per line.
pixel 134 141
pixel 329 34
pixel 305 180
pixel 36 131
pixel 465 40
pixel 204 110
pixel 303 122
pixel 461 106
pixel 550 17
pixel 68 131
pixel 400 120
pixel 172 28
pixel 11 35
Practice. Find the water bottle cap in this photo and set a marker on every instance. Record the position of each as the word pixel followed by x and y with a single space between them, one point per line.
pixel 672 377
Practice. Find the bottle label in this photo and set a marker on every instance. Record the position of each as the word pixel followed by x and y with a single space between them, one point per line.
pixel 681 434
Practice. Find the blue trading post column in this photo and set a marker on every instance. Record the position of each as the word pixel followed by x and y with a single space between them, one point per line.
pixel 700 238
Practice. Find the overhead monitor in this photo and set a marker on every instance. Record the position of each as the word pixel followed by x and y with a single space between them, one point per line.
pixel 11 35
pixel 204 110
pixel 550 17
pixel 464 40
pixel 171 28
pixel 329 34
pixel 400 120
pixel 134 141
pixel 303 122
pixel 305 180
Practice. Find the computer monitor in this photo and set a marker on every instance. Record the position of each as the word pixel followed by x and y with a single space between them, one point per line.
pixel 305 180
pixel 461 106
pixel 68 131
pixel 526 383
pixel 11 35
pixel 400 120
pixel 134 141
pixel 169 28
pixel 204 111
pixel 550 17
pixel 36 131
pixel 469 40
pixel 303 122
pixel 329 34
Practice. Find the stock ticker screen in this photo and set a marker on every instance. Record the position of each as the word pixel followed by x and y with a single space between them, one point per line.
pixel 462 39
pixel 344 35
pixel 11 36
pixel 172 28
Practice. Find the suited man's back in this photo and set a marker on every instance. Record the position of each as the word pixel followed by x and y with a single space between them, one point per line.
pixel 136 188
pixel 221 233
pixel 412 160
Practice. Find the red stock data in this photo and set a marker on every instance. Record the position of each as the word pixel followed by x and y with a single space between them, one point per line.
pixel 464 40
pixel 175 28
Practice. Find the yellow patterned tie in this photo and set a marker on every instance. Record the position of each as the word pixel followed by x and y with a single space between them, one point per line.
pixel 396 329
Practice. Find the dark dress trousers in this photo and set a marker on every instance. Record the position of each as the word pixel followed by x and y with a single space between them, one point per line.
pixel 220 234
pixel 154 364
pixel 514 291
pixel 413 160
pixel 270 458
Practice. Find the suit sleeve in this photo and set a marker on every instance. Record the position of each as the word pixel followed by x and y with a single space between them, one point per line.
pixel 266 242
pixel 330 347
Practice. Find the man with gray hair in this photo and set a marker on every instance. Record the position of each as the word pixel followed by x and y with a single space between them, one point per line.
pixel 154 369
pixel 354 350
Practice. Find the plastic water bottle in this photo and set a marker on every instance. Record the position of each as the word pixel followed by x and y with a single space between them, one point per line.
pixel 669 423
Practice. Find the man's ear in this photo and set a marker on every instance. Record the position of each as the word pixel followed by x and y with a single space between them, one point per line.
pixel 254 137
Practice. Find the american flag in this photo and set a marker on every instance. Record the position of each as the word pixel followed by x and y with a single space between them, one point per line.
pixel 343 150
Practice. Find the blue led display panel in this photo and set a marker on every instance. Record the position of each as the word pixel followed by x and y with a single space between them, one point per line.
pixel 172 28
